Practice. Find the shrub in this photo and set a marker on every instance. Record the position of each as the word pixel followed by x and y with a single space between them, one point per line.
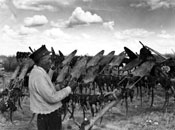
pixel 10 63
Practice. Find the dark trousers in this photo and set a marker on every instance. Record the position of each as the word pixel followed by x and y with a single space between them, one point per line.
pixel 50 121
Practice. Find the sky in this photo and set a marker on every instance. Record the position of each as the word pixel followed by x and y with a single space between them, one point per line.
pixel 88 26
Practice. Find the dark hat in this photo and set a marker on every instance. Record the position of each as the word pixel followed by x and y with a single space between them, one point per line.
pixel 39 53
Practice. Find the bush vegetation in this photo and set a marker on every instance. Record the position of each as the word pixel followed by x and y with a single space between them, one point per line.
pixel 10 63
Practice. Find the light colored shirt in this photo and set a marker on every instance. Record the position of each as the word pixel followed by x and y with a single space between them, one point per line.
pixel 44 98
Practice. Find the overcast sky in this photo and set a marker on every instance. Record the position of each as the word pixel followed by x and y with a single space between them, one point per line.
pixel 87 25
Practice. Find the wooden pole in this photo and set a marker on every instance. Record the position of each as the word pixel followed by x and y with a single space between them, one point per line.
pixel 110 105
pixel 31 49
pixel 154 51
pixel 102 112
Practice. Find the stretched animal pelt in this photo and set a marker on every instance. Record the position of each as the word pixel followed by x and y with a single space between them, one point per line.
pixel 14 92
pixel 98 78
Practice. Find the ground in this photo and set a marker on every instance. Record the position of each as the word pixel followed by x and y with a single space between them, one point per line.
pixel 139 117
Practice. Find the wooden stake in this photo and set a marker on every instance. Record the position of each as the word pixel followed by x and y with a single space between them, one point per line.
pixel 154 51
pixel 102 112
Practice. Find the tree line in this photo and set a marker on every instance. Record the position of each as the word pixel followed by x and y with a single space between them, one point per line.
pixel 9 62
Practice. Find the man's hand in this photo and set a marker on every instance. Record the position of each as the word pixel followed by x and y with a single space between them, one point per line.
pixel 53 67
pixel 73 84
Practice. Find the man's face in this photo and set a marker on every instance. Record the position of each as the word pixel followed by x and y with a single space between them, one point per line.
pixel 45 62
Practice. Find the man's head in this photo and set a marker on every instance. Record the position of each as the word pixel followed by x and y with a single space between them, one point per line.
pixel 42 57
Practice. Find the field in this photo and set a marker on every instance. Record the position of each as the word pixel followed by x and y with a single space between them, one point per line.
pixel 138 118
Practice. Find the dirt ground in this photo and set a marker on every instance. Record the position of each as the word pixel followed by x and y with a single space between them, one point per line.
pixel 139 117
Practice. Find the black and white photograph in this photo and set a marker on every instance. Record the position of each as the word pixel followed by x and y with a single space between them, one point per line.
pixel 87 64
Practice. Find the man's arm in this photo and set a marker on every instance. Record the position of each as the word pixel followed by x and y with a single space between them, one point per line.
pixel 47 91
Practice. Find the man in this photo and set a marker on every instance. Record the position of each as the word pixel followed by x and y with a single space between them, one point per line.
pixel 44 99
